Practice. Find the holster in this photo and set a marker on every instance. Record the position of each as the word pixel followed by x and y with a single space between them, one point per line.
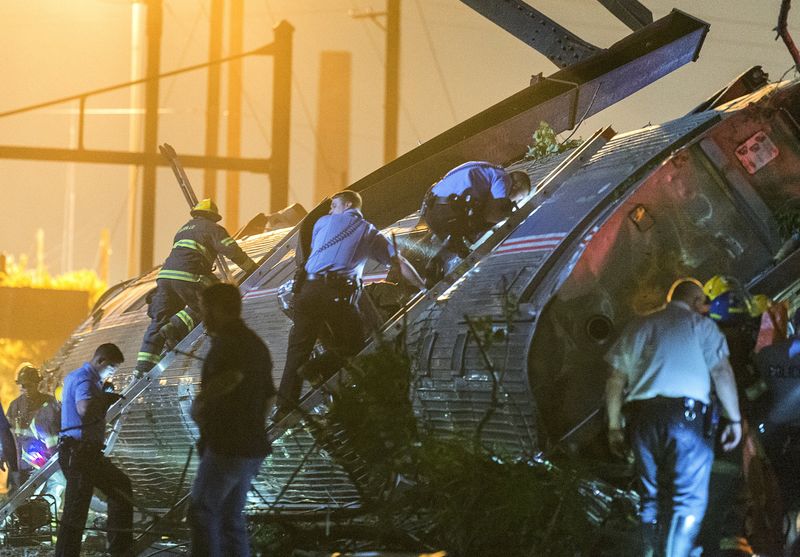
pixel 74 453
pixel 711 418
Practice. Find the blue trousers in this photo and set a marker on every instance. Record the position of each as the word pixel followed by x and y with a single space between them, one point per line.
pixel 218 498
pixel 673 462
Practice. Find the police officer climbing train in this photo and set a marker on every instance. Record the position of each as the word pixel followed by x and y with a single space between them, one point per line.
pixel 174 309
pixel 469 200
pixel 326 291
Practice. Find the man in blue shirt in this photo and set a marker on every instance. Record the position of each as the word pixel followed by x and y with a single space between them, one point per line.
pixel 85 401
pixel 325 303
pixel 465 203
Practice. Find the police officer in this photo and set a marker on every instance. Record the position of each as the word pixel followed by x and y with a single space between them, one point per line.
pixel 184 274
pixel 35 418
pixel 83 416
pixel 325 303
pixel 466 202
pixel 667 362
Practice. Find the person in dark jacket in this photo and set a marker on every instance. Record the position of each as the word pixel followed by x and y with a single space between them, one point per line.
pixel 236 395
pixel 36 418
pixel 174 309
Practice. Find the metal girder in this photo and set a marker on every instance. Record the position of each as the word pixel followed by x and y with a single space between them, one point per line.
pixel 502 132
pixel 535 29
pixel 630 12
pixel 258 166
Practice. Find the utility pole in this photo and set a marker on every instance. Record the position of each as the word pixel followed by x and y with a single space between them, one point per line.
pixel 235 41
pixel 212 98
pixel 281 112
pixel 391 103
pixel 146 248
pixel 392 92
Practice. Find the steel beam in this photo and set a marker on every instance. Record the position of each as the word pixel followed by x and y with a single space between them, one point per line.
pixel 535 29
pixel 258 166
pixel 630 12
pixel 501 133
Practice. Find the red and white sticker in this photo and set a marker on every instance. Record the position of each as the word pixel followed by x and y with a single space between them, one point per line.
pixel 756 152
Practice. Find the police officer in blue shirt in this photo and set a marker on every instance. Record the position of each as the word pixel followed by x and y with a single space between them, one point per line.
pixel 466 202
pixel 325 302
pixel 85 400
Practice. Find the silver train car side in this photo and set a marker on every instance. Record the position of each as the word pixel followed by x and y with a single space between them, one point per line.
pixel 695 196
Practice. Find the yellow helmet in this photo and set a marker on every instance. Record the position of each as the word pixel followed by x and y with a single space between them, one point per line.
pixel 717 285
pixel 59 392
pixel 758 304
pixel 206 208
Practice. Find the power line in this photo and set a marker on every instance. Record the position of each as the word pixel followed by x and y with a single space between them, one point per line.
pixel 436 63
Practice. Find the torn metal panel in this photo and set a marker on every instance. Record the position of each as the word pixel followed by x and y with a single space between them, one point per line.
pixel 501 133
pixel 752 80
pixel 535 29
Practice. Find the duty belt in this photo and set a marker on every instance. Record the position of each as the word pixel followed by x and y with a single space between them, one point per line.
pixel 334 278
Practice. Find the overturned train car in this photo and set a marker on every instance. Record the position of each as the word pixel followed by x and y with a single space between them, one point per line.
pixel 698 196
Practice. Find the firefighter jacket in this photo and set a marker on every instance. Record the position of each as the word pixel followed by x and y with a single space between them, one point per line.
pixel 195 248
pixel 35 423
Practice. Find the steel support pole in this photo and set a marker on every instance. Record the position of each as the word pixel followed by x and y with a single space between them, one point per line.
pixel 146 245
pixel 234 128
pixel 281 116
pixel 212 98
pixel 392 92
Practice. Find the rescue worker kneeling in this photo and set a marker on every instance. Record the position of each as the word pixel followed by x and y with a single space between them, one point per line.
pixel 465 203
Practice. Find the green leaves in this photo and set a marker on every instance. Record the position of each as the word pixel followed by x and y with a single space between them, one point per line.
pixel 545 142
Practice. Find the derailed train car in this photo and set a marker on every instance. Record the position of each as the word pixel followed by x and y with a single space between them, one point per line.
pixel 698 196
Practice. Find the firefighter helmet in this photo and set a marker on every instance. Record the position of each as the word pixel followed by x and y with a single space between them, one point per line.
pixel 716 285
pixel 27 374
pixel 728 308
pixel 206 208
pixel 758 304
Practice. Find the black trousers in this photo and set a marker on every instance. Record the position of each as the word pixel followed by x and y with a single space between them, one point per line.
pixel 85 469
pixel 171 296
pixel 322 310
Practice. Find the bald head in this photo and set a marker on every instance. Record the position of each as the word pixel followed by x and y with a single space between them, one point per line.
pixel 689 291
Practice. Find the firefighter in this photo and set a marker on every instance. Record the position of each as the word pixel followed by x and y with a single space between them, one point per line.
pixel 35 419
pixel 465 203
pixel 174 308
